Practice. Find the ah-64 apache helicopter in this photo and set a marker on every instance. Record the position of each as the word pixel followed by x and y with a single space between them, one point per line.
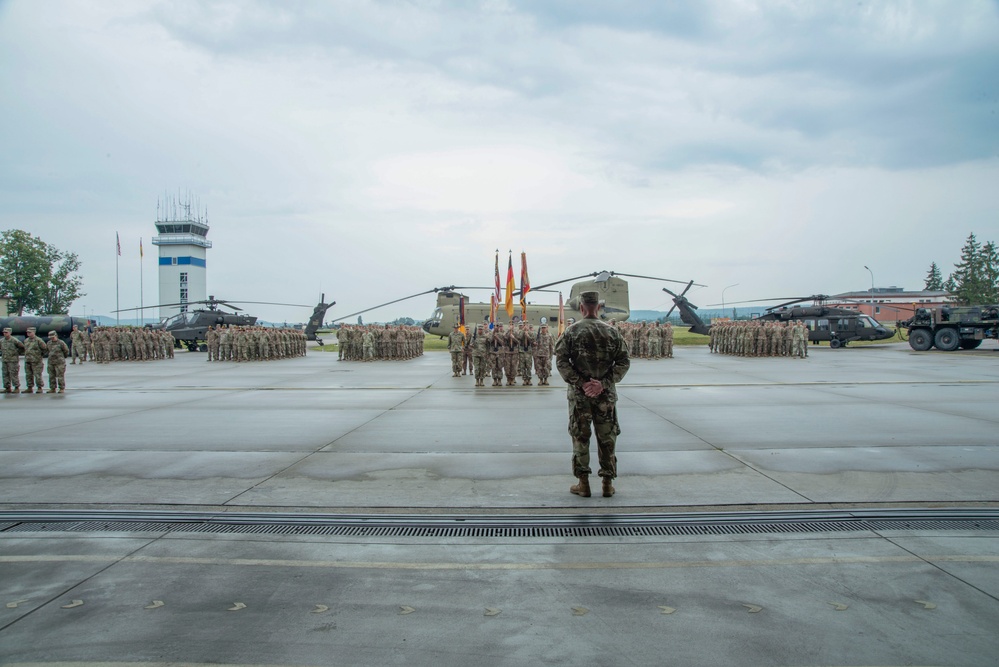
pixel 455 307
pixel 837 325
pixel 189 328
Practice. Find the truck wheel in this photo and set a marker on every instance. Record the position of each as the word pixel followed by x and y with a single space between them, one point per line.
pixel 920 340
pixel 970 344
pixel 947 339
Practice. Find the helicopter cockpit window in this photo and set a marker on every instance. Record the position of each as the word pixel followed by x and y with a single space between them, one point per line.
pixel 438 315
pixel 866 322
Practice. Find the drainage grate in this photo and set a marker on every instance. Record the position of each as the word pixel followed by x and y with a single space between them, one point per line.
pixel 533 527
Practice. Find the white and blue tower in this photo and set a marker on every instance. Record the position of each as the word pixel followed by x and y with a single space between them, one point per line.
pixel 182 239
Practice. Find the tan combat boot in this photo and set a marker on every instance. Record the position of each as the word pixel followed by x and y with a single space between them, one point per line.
pixel 582 488
pixel 608 489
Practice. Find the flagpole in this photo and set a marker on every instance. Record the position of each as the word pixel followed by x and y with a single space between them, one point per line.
pixel 142 287
pixel 117 301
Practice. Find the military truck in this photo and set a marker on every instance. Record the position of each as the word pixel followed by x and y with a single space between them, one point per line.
pixel 951 327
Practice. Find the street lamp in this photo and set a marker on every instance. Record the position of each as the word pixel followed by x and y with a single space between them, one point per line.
pixel 872 288
pixel 723 295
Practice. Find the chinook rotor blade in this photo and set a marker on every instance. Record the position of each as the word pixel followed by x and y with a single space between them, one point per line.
pixel 665 280
pixel 389 303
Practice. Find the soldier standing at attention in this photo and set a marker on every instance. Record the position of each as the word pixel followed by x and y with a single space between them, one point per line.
pixel 10 349
pixel 34 350
pixel 592 358
pixel 526 352
pixel 544 346
pixel 496 354
pixel 480 355
pixel 79 349
pixel 58 351
pixel 456 346
pixel 467 361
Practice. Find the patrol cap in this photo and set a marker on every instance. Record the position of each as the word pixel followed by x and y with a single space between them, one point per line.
pixel 455 325
pixel 590 298
pixel 31 329
pixel 8 330
pixel 52 334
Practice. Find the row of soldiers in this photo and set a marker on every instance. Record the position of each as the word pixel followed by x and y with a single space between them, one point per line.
pixel 254 343
pixel 359 342
pixel 107 344
pixel 35 350
pixel 759 339
pixel 519 350
pixel 647 340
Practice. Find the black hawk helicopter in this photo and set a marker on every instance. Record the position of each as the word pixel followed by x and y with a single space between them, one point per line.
pixel 189 328
pixel 837 325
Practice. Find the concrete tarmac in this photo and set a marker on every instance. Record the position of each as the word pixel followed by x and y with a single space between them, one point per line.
pixel 871 427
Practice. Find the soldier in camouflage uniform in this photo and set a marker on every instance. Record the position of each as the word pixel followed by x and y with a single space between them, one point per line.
pixel 456 346
pixel 544 347
pixel 34 350
pixel 79 348
pixel 10 350
pixel 58 351
pixel 480 355
pixel 496 354
pixel 592 357
pixel 526 352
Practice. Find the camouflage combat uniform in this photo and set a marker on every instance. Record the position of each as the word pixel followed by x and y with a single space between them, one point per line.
pixel 58 351
pixel 34 350
pixel 10 350
pixel 456 346
pixel 591 349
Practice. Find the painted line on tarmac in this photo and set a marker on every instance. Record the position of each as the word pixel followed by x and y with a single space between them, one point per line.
pixel 376 565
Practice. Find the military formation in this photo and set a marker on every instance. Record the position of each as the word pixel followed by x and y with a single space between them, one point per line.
pixel 647 340
pixel 511 351
pixel 35 351
pixel 368 342
pixel 759 339
pixel 254 343
pixel 107 344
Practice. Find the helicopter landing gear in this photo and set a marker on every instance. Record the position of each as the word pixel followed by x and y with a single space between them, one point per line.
pixel 835 343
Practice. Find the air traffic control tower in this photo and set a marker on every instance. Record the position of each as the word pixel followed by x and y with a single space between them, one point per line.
pixel 182 239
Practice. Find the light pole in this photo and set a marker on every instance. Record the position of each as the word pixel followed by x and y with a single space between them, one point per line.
pixel 872 288
pixel 723 296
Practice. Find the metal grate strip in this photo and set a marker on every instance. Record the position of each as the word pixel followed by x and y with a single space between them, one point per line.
pixel 418 531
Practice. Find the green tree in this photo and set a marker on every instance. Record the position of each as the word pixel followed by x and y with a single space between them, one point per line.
pixel 969 276
pixel 934 280
pixel 23 271
pixel 35 276
pixel 990 272
pixel 64 284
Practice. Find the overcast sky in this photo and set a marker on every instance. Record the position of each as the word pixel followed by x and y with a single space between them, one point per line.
pixel 371 150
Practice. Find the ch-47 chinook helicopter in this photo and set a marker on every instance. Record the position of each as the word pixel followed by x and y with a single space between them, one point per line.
pixel 455 307
pixel 839 326
pixel 43 324
pixel 189 328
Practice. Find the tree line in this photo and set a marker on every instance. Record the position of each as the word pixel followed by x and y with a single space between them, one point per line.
pixel 36 276
pixel 975 279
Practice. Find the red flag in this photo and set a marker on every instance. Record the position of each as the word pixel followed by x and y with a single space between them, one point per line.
pixel 561 315
pixel 525 285
pixel 499 294
pixel 509 286
pixel 117 242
